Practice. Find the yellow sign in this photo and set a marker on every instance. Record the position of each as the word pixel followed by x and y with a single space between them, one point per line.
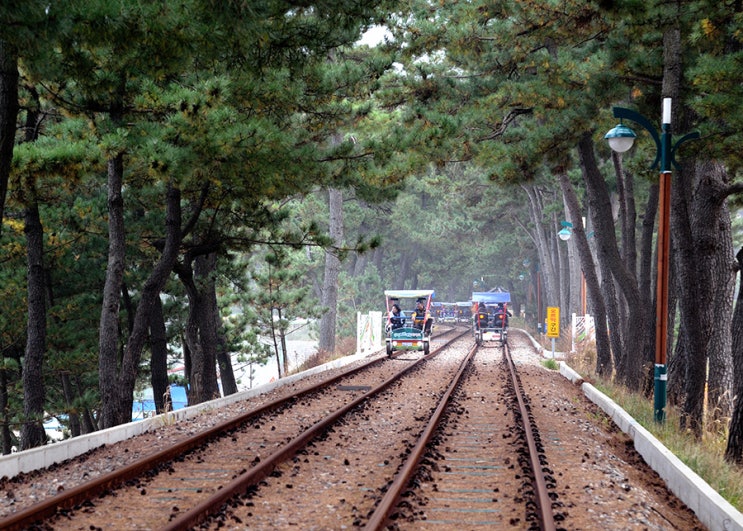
pixel 553 321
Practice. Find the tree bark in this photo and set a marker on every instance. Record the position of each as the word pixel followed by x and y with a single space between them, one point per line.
pixel 332 270
pixel 625 336
pixel 713 247
pixel 8 116
pixel 32 430
pixel 547 264
pixel 226 372
pixel 627 213
pixel 6 442
pixel 573 273
pixel 200 337
pixel 69 397
pixel 734 450
pixel 87 421
pixel 645 284
pixel 124 393
pixel 108 331
pixel 604 363
pixel 159 358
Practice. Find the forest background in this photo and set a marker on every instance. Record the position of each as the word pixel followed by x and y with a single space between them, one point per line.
pixel 178 181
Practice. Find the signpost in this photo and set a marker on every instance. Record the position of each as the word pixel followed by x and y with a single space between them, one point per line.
pixel 553 325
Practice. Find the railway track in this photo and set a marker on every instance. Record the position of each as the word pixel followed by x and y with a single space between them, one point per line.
pixel 180 477
pixel 472 484
pixel 411 442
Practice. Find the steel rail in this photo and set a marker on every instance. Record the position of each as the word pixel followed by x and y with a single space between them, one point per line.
pixel 400 483
pixel 543 501
pixel 241 484
pixel 73 497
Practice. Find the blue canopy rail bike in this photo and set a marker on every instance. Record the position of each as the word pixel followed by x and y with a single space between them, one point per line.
pixel 490 316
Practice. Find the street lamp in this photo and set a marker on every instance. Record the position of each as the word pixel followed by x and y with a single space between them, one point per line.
pixel 566 231
pixel 620 139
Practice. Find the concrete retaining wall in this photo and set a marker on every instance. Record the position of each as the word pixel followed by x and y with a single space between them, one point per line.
pixel 712 509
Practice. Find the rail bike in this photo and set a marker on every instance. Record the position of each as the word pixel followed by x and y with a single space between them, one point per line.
pixel 411 329
pixel 463 311
pixel 490 316
pixel 448 312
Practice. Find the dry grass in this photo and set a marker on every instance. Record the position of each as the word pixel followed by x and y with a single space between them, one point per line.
pixel 343 347
pixel 705 457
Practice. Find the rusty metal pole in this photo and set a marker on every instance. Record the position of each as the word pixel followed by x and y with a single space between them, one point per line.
pixel 664 250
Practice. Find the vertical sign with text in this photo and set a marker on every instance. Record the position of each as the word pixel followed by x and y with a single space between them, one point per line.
pixel 553 321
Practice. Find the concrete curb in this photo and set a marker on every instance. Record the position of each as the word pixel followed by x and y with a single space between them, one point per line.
pixel 543 352
pixel 28 460
pixel 712 509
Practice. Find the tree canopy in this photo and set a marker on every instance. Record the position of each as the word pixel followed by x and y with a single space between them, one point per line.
pixel 170 165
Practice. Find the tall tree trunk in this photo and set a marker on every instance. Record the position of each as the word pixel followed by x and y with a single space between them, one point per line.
pixel 150 291
pixel 693 288
pixel 626 336
pixel 543 242
pixel 187 365
pixel 210 325
pixel 205 267
pixel 627 212
pixel 711 271
pixel 108 331
pixel 8 116
pixel 159 359
pixel 720 342
pixel 734 450
pixel 200 338
pixel 32 431
pixel 6 442
pixel 69 398
pixel 574 273
pixel 226 372
pixel 332 270
pixel 564 269
pixel 284 361
pixel 88 424
pixel 604 363
pixel 647 294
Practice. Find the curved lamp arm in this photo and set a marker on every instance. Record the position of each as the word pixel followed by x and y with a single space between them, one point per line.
pixel 621 112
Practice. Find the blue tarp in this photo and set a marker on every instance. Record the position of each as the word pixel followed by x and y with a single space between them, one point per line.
pixel 492 297
pixel 145 407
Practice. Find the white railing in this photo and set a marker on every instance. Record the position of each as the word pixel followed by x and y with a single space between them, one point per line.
pixel 583 330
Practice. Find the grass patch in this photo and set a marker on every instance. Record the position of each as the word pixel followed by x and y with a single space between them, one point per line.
pixel 551 364
pixel 705 457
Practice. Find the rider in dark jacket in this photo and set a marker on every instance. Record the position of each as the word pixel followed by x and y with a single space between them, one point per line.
pixel 421 319
pixel 397 319
pixel 501 316
pixel 481 317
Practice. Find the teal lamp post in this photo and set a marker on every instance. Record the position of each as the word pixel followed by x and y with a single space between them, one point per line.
pixel 620 139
